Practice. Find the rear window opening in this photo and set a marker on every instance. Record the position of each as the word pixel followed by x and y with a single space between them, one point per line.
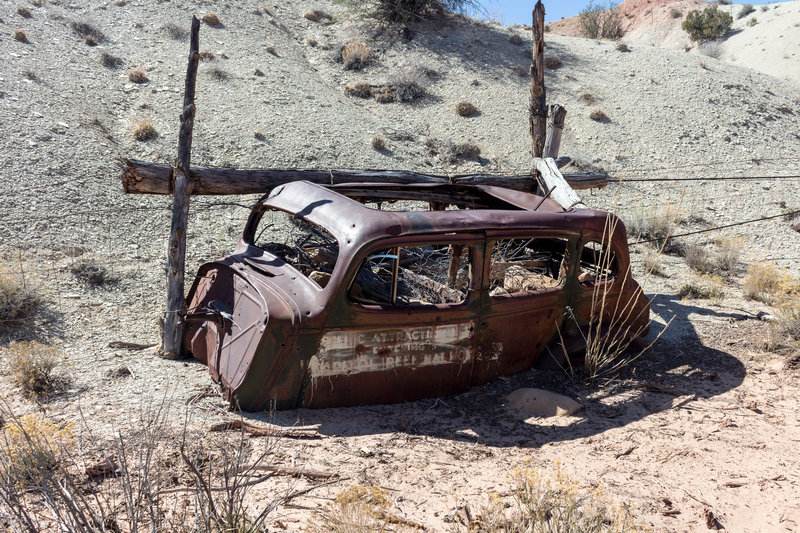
pixel 527 265
pixel 598 263
pixel 309 248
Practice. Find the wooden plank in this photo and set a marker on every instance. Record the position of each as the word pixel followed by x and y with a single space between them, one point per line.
pixel 555 125
pixel 538 105
pixel 141 177
pixel 172 339
pixel 553 181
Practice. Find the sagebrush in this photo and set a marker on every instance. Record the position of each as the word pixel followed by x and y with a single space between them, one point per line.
pixel 707 25
pixel 31 364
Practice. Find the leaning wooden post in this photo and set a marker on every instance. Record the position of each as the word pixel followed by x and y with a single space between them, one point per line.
pixel 172 341
pixel 538 105
pixel 555 125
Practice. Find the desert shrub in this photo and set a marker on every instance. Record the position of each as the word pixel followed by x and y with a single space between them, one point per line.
pixel 558 504
pixel 600 21
pixel 746 10
pixel 463 150
pixel 21 36
pixel 359 89
pixel 17 301
pixel 218 74
pixel 729 251
pixel 174 31
pixel 272 50
pixel 552 62
pixel 410 11
pixel 91 273
pixel 707 25
pixel 707 287
pixel 408 83
pixel 787 319
pixel 587 98
pixel 711 48
pixel 765 8
pixel 144 130
pixel 622 47
pixel 24 12
pixel 138 76
pixel 724 2
pixel 465 108
pixel 110 61
pixel 675 13
pixel 378 143
pixel 515 39
pixel 212 19
pixel 768 283
pixel 89 33
pixel 598 115
pixel 357 509
pixel 697 257
pixel 654 224
pixel 31 365
pixel 355 55
pixel 652 262
pixel 315 15
pixel 206 55
pixel 30 448
pixel 752 22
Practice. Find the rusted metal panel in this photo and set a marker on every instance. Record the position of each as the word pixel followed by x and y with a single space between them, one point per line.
pixel 359 304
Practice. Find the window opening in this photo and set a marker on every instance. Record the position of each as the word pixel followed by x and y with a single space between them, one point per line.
pixel 422 274
pixel 598 263
pixel 527 265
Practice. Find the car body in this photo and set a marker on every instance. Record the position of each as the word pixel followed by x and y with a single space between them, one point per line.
pixel 369 293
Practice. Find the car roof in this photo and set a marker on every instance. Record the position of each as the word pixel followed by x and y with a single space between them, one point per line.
pixel 353 223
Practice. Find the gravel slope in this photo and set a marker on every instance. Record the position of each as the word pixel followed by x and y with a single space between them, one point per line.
pixel 65 119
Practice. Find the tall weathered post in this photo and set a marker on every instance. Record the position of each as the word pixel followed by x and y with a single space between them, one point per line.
pixel 538 104
pixel 172 340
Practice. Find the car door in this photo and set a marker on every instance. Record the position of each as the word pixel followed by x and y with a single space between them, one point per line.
pixel 404 326
pixel 526 289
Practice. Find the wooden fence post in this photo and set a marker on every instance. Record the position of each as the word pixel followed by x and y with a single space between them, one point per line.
pixel 555 125
pixel 538 104
pixel 172 341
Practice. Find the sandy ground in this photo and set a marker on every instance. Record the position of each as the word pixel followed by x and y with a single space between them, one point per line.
pixel 706 420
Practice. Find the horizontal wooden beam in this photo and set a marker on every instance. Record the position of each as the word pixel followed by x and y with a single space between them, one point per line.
pixel 141 177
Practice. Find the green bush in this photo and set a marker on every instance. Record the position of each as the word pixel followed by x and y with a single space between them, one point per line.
pixel 708 24
pixel 746 10
pixel 409 11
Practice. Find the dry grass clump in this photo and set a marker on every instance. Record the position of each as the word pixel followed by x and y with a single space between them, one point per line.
pixel 769 283
pixel 787 318
pixel 463 150
pixel 219 74
pixel 24 12
pixel 89 33
pixel 552 62
pixel 675 13
pixel 408 83
pixel 711 48
pixel 652 262
pixel 144 130
pixel 212 19
pixel 110 61
pixel 378 143
pixel 17 301
pixel 622 47
pixel 560 503
pixel 259 134
pixel 30 450
pixel 138 76
pixel 174 31
pixel 21 36
pixel 587 98
pixel 272 50
pixel 355 55
pixel 91 273
pixel 705 288
pixel 515 39
pixel 465 108
pixel 752 22
pixel 598 115
pixel 359 89
pixel 31 365
pixel 654 224
pixel 359 509
pixel 315 15
pixel 206 55
pixel 746 10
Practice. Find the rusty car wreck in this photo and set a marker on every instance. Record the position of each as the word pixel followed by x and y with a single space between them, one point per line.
pixel 370 293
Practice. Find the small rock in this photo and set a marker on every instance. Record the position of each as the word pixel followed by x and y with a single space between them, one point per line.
pixel 540 402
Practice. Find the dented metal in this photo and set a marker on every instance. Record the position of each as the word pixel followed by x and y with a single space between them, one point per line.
pixel 364 293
